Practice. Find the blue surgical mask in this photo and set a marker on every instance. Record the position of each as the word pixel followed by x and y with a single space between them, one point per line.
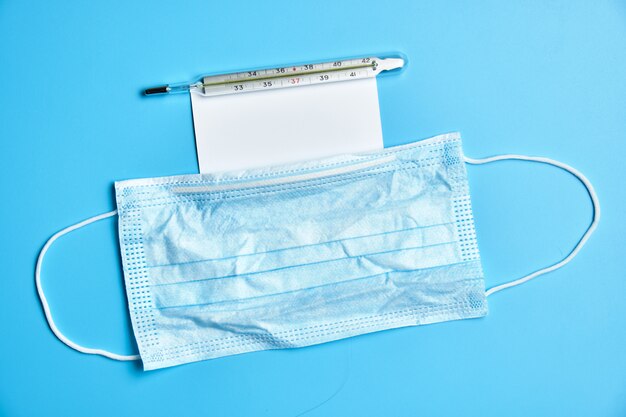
pixel 291 256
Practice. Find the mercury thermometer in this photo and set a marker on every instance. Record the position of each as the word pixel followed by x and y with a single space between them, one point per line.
pixel 284 77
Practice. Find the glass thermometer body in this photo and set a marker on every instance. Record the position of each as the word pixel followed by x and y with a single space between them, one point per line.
pixel 284 77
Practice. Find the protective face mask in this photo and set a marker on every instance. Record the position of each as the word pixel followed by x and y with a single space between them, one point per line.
pixel 291 256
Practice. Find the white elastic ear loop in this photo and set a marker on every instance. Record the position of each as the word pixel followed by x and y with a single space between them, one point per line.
pixel 583 239
pixel 44 301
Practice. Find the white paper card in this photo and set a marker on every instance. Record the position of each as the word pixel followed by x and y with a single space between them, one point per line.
pixel 249 130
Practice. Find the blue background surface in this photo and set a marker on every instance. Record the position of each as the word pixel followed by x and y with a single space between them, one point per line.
pixel 535 77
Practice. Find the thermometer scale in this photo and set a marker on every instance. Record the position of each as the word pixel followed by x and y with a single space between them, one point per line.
pixel 284 77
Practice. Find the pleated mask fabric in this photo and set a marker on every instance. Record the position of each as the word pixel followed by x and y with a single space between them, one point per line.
pixel 290 256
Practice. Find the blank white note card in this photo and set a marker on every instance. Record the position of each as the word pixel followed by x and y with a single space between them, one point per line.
pixel 256 129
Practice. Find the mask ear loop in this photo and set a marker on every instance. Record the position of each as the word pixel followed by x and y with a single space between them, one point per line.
pixel 44 301
pixel 592 227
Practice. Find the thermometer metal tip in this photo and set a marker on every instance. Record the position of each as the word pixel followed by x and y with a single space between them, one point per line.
pixel 156 90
